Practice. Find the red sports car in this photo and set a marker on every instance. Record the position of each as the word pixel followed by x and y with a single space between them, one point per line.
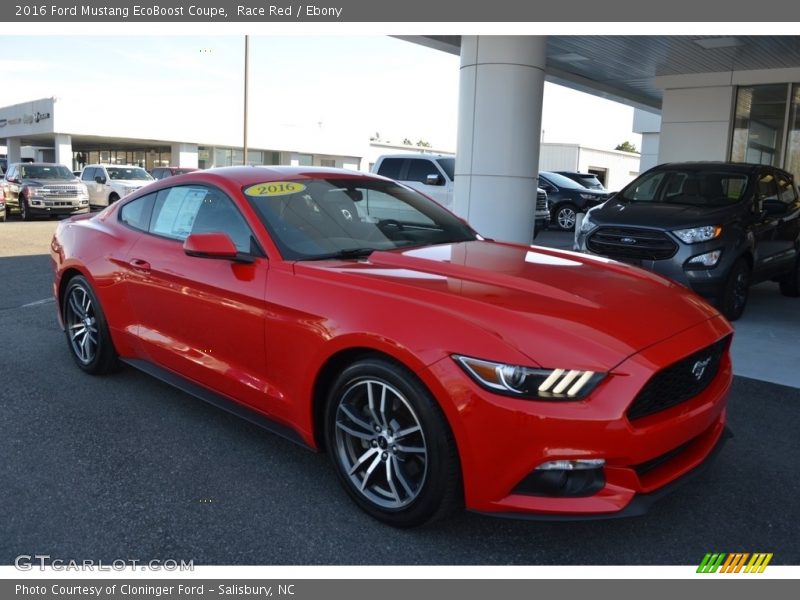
pixel 438 369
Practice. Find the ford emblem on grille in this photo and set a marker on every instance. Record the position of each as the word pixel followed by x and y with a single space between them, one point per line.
pixel 628 240
pixel 700 367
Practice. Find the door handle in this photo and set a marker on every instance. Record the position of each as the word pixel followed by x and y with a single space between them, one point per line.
pixel 140 265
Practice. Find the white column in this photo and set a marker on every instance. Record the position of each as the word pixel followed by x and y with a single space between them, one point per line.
pixel 184 155
pixel 13 150
pixel 63 153
pixel 499 125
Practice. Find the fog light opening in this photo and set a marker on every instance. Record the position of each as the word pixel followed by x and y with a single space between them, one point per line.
pixel 564 478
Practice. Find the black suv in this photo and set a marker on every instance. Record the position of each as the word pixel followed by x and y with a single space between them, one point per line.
pixel 567 198
pixel 714 227
pixel 587 180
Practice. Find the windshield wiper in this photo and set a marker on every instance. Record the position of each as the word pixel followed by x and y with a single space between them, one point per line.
pixel 343 253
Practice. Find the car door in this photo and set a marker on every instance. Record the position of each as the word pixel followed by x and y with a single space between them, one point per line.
pixel 96 197
pixel 201 318
pixel 771 248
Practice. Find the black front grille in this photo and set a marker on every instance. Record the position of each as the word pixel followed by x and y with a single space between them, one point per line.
pixel 679 382
pixel 631 242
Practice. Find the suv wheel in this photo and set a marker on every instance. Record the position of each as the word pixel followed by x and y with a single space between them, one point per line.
pixel 565 217
pixel 112 198
pixel 790 284
pixel 24 214
pixel 734 294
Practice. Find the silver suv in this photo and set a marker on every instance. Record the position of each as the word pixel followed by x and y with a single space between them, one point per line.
pixel 109 183
pixel 43 189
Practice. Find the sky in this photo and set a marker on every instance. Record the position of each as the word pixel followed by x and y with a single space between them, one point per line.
pixel 369 84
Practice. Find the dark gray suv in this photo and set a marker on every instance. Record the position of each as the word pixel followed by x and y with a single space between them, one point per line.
pixel 714 227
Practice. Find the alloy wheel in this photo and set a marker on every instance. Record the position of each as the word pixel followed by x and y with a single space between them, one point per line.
pixel 380 443
pixel 81 325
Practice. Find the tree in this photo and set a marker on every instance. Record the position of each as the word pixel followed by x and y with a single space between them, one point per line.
pixel 626 146
pixel 423 144
pixel 406 142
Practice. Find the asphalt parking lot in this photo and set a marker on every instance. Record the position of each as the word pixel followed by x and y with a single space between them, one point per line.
pixel 125 467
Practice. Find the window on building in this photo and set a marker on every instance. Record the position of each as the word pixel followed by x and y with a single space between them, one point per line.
pixel 327 162
pixel 759 124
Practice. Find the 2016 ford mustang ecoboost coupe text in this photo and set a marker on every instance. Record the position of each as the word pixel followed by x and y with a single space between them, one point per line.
pixel 436 368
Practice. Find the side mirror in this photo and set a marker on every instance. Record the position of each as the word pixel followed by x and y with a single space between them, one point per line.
pixel 99 179
pixel 211 245
pixel 434 179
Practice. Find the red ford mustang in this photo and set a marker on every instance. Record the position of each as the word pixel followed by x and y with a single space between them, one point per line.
pixel 437 369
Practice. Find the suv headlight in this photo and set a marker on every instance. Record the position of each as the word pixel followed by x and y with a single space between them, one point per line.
pixel 588 197
pixel 33 192
pixel 695 235
pixel 525 382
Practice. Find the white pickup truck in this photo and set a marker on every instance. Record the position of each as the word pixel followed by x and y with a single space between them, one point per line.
pixel 433 175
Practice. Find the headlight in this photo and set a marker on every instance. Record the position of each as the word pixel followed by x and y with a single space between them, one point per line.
pixel 696 235
pixel 588 196
pixel 525 382
pixel 34 192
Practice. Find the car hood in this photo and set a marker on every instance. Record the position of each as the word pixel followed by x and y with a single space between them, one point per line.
pixel 131 182
pixel 658 215
pixel 592 312
pixel 43 182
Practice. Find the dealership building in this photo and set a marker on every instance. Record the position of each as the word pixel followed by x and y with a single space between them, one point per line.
pixel 699 98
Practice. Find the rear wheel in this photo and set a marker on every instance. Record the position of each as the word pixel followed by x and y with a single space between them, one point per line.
pixel 86 328
pixel 736 290
pixel 790 284
pixel 391 446
pixel 565 217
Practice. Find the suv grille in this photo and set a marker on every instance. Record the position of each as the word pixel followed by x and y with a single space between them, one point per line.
pixel 631 242
pixel 60 191
pixel 541 201
pixel 679 382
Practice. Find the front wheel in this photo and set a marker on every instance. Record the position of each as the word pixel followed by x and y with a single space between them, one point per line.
pixel 736 290
pixel 86 328
pixel 790 284
pixel 391 446
pixel 24 212
pixel 113 198
pixel 565 217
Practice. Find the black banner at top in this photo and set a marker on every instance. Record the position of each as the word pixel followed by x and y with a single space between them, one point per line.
pixel 406 11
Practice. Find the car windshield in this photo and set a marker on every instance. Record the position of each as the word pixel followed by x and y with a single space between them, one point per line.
pixel 691 187
pixel 128 173
pixel 45 172
pixel 560 181
pixel 312 219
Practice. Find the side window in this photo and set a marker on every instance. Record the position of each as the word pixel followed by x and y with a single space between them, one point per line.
pixel 182 210
pixel 419 169
pixel 12 172
pixel 391 167
pixel 767 190
pixel 88 174
pixel 137 213
pixel 786 191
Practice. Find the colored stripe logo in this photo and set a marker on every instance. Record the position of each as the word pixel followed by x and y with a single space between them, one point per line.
pixel 737 562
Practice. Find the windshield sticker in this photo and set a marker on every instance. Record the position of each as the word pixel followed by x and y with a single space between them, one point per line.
pixel 274 188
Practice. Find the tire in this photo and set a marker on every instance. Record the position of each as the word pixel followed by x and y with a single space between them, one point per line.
pixel 113 197
pixel 391 446
pixel 86 329
pixel 734 294
pixel 24 213
pixel 565 216
pixel 790 284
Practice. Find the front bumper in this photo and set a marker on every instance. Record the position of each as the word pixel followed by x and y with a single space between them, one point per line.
pixel 502 440
pixel 49 207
